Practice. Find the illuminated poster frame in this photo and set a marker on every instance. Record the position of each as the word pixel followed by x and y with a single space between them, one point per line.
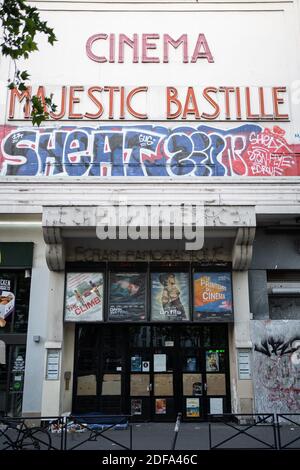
pixel 212 296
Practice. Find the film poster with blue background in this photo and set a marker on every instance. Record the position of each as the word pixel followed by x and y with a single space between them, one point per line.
pixel 127 297
pixel 213 296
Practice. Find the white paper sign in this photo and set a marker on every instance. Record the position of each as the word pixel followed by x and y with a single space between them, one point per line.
pixel 216 406
pixel 160 362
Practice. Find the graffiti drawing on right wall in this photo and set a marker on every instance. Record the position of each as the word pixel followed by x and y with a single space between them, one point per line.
pixel 276 366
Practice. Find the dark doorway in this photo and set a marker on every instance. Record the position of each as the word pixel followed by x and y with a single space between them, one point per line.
pixel 152 371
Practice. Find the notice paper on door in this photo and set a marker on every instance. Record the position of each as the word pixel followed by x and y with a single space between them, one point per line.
pixel 160 363
pixel 216 406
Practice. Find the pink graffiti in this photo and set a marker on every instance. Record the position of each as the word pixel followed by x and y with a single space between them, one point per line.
pixel 269 154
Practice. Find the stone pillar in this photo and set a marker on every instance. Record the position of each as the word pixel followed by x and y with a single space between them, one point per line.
pixel 51 404
pixel 242 390
pixel 37 329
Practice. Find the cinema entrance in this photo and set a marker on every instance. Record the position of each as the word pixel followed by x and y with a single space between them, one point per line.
pixel 152 371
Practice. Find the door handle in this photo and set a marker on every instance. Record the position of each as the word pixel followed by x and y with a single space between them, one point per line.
pixel 205 387
pixel 149 388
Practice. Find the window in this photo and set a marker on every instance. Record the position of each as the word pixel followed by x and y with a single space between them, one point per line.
pixel 284 294
pixel 14 301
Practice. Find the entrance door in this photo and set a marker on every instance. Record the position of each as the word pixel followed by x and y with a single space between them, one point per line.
pixel 12 380
pixel 153 384
pixel 152 371
pixel 178 368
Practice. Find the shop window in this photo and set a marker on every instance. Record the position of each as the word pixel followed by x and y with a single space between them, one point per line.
pixel 284 294
pixel 163 336
pixel 87 336
pixel 190 337
pixel 16 380
pixel 112 361
pixel 3 387
pixel 140 336
pixel 214 336
pixel 87 360
pixel 14 301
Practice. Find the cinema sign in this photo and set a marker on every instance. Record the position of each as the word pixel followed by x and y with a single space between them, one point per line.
pixel 141 102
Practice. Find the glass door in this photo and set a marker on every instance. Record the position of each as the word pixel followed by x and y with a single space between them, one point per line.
pixel 152 384
pixel 139 371
pixel 152 371
pixel 216 369
pixel 191 373
pixel 16 379
pixel 164 384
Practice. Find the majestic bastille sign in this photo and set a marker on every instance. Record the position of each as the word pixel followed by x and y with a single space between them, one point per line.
pixel 157 103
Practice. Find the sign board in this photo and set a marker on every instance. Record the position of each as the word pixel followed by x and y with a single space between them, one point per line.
pixel 52 366
pixel 244 357
pixel 16 255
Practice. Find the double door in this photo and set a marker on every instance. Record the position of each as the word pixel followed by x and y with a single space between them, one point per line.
pixel 177 371
pixel 153 371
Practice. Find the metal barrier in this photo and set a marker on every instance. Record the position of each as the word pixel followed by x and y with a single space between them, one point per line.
pixel 97 431
pixel 58 433
pixel 97 427
pixel 286 427
pixel 24 434
pixel 241 437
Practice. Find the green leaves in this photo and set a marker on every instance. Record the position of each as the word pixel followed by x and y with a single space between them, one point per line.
pixel 20 25
pixel 40 108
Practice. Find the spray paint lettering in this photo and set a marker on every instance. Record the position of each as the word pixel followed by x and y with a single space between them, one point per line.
pixel 279 371
pixel 146 151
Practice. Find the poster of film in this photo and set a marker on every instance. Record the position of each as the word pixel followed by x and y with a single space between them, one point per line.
pixel 84 297
pixel 213 296
pixel 127 297
pixel 170 296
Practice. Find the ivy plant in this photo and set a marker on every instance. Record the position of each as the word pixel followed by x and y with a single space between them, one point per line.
pixel 20 25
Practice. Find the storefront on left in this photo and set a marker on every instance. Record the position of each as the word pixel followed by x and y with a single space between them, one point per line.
pixel 24 283
pixel 15 280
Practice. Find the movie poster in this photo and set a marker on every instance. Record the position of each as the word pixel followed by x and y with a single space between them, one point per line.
pixel 212 361
pixel 127 297
pixel 84 297
pixel 136 363
pixel 192 408
pixel 136 407
pixel 7 300
pixel 213 297
pixel 160 406
pixel 170 296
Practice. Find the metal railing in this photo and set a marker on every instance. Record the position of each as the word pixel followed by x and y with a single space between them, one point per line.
pixel 288 425
pixel 96 431
pixel 242 431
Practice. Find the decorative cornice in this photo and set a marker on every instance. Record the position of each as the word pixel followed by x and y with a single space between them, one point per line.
pixel 242 248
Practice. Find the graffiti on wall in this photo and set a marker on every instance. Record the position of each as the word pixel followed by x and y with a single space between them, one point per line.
pixel 145 151
pixel 276 367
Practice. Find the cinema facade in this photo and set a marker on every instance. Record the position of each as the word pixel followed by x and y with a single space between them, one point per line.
pixel 199 117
